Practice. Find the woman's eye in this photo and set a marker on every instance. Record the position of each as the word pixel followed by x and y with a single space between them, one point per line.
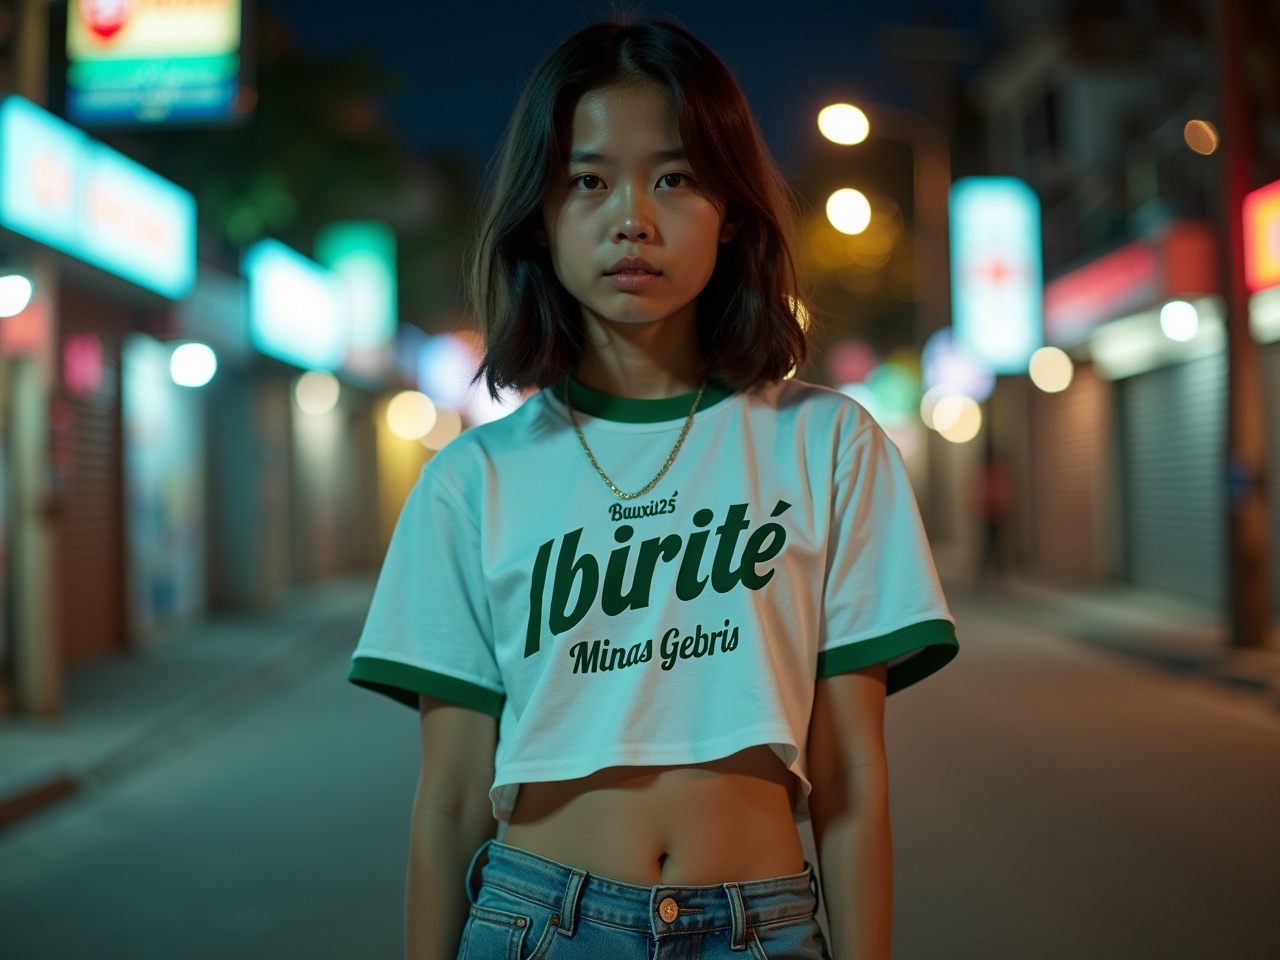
pixel 674 180
pixel 589 181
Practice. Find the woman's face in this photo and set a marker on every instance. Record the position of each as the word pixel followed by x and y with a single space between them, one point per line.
pixel 631 234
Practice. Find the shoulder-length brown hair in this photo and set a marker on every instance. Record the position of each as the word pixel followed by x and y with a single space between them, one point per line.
pixel 752 315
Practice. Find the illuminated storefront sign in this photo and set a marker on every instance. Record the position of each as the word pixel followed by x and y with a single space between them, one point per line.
pixel 66 190
pixel 297 308
pixel 1182 261
pixel 362 254
pixel 1262 237
pixel 996 271
pixel 149 61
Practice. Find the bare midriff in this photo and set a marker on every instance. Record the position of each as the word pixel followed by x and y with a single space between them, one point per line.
pixel 704 823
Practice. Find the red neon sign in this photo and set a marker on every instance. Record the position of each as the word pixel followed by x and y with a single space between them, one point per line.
pixel 106 17
pixel 1261 213
pixel 82 364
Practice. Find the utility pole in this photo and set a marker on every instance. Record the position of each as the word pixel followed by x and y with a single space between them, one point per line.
pixel 1246 453
pixel 34 557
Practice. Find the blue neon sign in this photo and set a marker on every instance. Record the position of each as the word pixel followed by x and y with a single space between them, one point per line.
pixel 297 308
pixel 997 273
pixel 64 189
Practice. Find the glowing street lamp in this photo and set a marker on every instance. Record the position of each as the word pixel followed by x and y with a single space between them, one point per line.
pixel 15 294
pixel 843 123
pixel 849 210
pixel 931 166
pixel 1179 320
pixel 193 364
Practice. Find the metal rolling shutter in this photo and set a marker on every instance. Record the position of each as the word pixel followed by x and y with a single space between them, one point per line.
pixel 1069 447
pixel 91 522
pixel 1270 360
pixel 1173 424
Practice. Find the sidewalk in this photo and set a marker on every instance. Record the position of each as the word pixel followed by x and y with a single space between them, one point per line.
pixel 1157 627
pixel 123 711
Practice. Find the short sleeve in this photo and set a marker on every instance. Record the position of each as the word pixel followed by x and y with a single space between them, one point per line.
pixel 882 601
pixel 429 628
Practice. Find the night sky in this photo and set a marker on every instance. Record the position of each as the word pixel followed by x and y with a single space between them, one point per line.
pixel 463 64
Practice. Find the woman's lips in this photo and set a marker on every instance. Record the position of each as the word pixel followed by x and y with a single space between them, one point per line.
pixel 633 279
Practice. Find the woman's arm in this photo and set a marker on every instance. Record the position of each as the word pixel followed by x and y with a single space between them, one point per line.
pixel 849 806
pixel 452 816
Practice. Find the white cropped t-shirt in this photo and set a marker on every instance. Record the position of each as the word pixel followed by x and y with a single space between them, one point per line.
pixel 782 545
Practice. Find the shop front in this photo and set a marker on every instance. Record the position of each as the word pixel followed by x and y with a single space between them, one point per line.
pixel 110 247
pixel 1128 460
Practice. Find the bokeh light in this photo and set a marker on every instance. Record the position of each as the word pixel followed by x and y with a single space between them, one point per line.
pixel 1201 136
pixel 848 210
pixel 447 426
pixel 843 123
pixel 947 362
pixel 957 418
pixel 929 402
pixel 316 392
pixel 193 365
pixel 1051 369
pixel 446 364
pixel 411 415
pixel 1179 320
pixel 896 389
pixel 850 361
pixel 15 294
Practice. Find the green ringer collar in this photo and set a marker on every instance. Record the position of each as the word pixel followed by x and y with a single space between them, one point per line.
pixel 631 410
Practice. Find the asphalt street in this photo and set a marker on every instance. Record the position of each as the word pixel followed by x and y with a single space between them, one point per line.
pixel 1051 799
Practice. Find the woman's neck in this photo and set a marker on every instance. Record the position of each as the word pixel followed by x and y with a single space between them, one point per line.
pixel 643 363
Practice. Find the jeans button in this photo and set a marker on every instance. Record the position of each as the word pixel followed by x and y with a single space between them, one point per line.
pixel 669 910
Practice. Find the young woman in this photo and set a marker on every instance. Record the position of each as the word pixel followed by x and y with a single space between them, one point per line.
pixel 650 617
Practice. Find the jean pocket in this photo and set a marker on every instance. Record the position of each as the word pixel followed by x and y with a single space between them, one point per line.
pixel 536 925
pixel 798 939
pixel 492 934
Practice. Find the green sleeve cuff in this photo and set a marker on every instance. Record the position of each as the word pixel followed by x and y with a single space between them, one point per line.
pixel 932 642
pixel 403 683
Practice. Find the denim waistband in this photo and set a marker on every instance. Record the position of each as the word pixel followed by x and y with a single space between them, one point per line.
pixel 663 909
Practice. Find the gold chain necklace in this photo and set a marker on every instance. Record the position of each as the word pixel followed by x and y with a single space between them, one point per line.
pixel 670 459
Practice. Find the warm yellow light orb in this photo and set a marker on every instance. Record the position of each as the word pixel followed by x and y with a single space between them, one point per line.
pixel 1051 369
pixel 929 403
pixel 963 418
pixel 316 392
pixel 849 210
pixel 411 415
pixel 447 426
pixel 1201 136
pixel 843 123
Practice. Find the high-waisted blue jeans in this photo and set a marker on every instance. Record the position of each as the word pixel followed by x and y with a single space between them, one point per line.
pixel 531 908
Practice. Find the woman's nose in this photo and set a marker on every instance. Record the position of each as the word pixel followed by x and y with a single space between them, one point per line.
pixel 633 228
pixel 635 220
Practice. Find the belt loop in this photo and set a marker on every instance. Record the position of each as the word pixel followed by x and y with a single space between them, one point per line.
pixel 569 907
pixel 813 881
pixel 472 893
pixel 738 937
